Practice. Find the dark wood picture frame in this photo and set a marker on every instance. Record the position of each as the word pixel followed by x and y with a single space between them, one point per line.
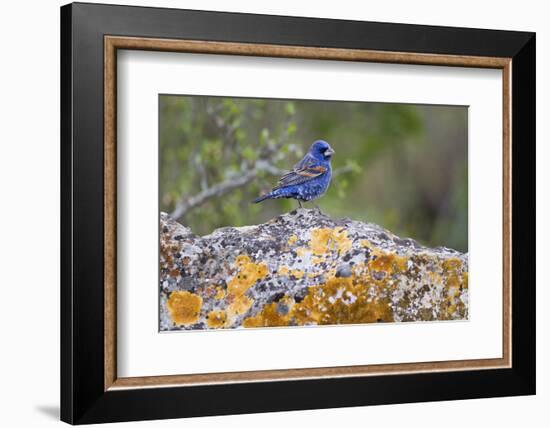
pixel 90 36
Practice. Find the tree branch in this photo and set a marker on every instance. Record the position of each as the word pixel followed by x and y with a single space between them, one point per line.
pixel 218 189
pixel 264 164
pixel 226 186
pixel 342 170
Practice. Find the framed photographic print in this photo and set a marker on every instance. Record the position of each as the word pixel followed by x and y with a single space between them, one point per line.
pixel 291 213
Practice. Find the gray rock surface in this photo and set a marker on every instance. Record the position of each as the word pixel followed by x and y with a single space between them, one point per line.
pixel 304 268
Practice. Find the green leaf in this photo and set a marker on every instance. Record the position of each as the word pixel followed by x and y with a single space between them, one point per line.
pixel 290 109
pixel 249 153
pixel 354 166
pixel 291 129
pixel 264 135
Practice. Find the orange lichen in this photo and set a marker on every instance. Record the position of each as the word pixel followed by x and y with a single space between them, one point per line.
pixel 320 240
pixel 248 273
pixel 271 315
pixel 238 306
pixel 465 279
pixel 434 278
pixel 453 291
pixel 363 297
pixel 452 264
pixel 184 307
pixel 216 319
pixel 452 307
pixel 324 240
pixel 340 301
pixel 452 270
pixel 388 263
pixel 365 243
pixel 220 293
pixel 318 260
pixel 296 273
pixel 340 236
pixel 453 282
pixel 285 271
pixel 323 279
pixel 451 310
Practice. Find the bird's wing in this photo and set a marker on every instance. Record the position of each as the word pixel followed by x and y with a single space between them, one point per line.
pixel 305 170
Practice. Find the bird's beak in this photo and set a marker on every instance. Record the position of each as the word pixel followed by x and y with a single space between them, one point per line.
pixel 329 152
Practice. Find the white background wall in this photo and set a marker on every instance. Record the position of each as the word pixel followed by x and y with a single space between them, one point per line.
pixel 29 215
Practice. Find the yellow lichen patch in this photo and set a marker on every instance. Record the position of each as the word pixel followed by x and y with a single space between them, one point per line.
pixel 365 243
pixel 455 308
pixel 452 270
pixel 341 301
pixel 283 271
pixel 248 273
pixel 389 263
pixel 242 260
pixel 296 273
pixel 452 307
pixel 382 263
pixel 220 293
pixel 401 263
pixel 184 307
pixel 465 279
pixel 453 281
pixel 453 291
pixel 319 242
pixel 318 259
pixel 324 240
pixel 292 240
pixel 238 306
pixel 452 264
pixel 340 236
pixel 451 310
pixel 271 315
pixel 434 278
pixel 216 319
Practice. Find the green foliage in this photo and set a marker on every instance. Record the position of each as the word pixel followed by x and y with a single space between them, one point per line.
pixel 401 166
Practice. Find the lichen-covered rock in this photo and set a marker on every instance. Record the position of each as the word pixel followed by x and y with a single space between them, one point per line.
pixel 304 268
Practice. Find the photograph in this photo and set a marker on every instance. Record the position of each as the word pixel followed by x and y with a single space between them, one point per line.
pixel 265 212
pixel 292 213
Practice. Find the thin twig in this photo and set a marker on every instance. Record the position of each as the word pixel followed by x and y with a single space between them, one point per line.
pixel 230 184
pixel 264 164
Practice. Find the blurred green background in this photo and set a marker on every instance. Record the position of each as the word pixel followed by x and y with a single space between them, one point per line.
pixel 402 166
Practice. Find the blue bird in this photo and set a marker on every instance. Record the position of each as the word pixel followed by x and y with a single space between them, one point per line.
pixel 308 180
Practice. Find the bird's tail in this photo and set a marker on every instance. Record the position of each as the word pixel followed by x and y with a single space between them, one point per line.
pixel 262 198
